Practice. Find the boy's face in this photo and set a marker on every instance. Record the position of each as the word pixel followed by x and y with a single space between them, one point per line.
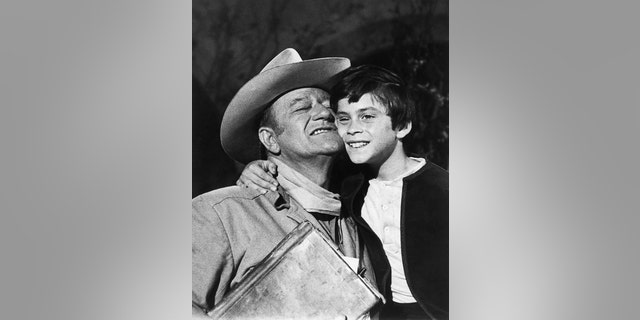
pixel 366 130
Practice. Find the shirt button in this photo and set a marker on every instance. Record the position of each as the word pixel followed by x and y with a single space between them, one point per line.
pixel 384 207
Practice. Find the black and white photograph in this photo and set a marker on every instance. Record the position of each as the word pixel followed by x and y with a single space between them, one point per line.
pixel 341 159
pixel 320 120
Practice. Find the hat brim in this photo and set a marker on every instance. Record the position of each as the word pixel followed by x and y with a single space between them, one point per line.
pixel 239 128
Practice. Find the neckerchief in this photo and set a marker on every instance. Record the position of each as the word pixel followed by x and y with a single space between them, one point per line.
pixel 309 195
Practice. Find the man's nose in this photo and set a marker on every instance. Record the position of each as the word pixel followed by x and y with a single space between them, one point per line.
pixel 322 112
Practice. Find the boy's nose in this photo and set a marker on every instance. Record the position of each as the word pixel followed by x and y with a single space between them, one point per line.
pixel 353 127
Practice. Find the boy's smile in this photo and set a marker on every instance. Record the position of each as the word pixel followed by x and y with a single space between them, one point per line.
pixel 366 130
pixel 357 144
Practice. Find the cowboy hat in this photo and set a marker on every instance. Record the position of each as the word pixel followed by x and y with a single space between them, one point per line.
pixel 286 72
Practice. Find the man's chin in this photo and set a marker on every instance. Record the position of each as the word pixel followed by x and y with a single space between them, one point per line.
pixel 331 146
pixel 330 151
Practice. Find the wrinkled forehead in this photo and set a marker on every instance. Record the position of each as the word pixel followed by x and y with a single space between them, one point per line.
pixel 302 95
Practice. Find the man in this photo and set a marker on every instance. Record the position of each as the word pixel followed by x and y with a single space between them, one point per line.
pixel 283 112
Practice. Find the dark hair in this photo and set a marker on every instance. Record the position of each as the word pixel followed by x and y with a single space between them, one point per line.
pixel 385 86
pixel 268 119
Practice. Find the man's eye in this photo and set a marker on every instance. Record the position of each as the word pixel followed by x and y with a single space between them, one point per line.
pixel 303 108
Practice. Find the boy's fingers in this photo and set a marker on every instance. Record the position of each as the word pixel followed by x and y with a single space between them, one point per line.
pixel 258 181
pixel 257 175
pixel 265 180
pixel 256 187
pixel 246 180
pixel 273 168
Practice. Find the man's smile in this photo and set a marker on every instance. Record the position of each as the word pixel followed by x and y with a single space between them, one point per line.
pixel 322 130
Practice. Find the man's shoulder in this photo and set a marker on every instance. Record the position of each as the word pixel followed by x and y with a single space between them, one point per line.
pixel 225 196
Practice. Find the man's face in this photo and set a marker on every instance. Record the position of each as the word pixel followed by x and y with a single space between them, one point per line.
pixel 366 130
pixel 306 125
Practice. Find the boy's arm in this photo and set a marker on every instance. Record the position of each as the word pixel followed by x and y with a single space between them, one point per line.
pixel 259 175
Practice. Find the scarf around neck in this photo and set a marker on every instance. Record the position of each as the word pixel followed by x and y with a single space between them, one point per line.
pixel 308 194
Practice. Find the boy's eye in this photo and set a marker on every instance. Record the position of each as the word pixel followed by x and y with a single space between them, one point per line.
pixel 343 120
pixel 368 116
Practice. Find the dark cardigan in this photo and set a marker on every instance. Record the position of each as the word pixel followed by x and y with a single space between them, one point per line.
pixel 424 240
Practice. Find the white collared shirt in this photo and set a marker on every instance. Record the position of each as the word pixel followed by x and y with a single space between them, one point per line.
pixel 381 210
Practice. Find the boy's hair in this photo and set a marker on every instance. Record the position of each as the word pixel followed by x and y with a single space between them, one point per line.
pixel 385 86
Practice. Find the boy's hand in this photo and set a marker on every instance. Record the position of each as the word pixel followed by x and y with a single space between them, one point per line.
pixel 259 175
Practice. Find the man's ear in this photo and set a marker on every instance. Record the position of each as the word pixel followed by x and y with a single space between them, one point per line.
pixel 268 139
pixel 404 131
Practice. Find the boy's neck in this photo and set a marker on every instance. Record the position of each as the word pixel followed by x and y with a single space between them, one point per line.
pixel 394 166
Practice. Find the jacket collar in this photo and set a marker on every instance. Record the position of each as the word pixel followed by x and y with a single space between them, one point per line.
pixel 359 181
pixel 279 199
pixel 426 165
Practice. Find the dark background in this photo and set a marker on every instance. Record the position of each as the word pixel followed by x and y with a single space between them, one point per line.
pixel 233 40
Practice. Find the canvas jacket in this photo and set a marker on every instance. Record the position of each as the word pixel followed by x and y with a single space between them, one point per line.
pixel 233 229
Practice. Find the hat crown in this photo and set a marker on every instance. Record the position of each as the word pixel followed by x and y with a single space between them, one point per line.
pixel 287 56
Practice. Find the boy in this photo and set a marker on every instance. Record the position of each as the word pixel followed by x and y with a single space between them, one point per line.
pixel 399 202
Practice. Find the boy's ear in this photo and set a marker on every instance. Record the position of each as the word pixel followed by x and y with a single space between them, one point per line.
pixel 404 131
pixel 268 139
